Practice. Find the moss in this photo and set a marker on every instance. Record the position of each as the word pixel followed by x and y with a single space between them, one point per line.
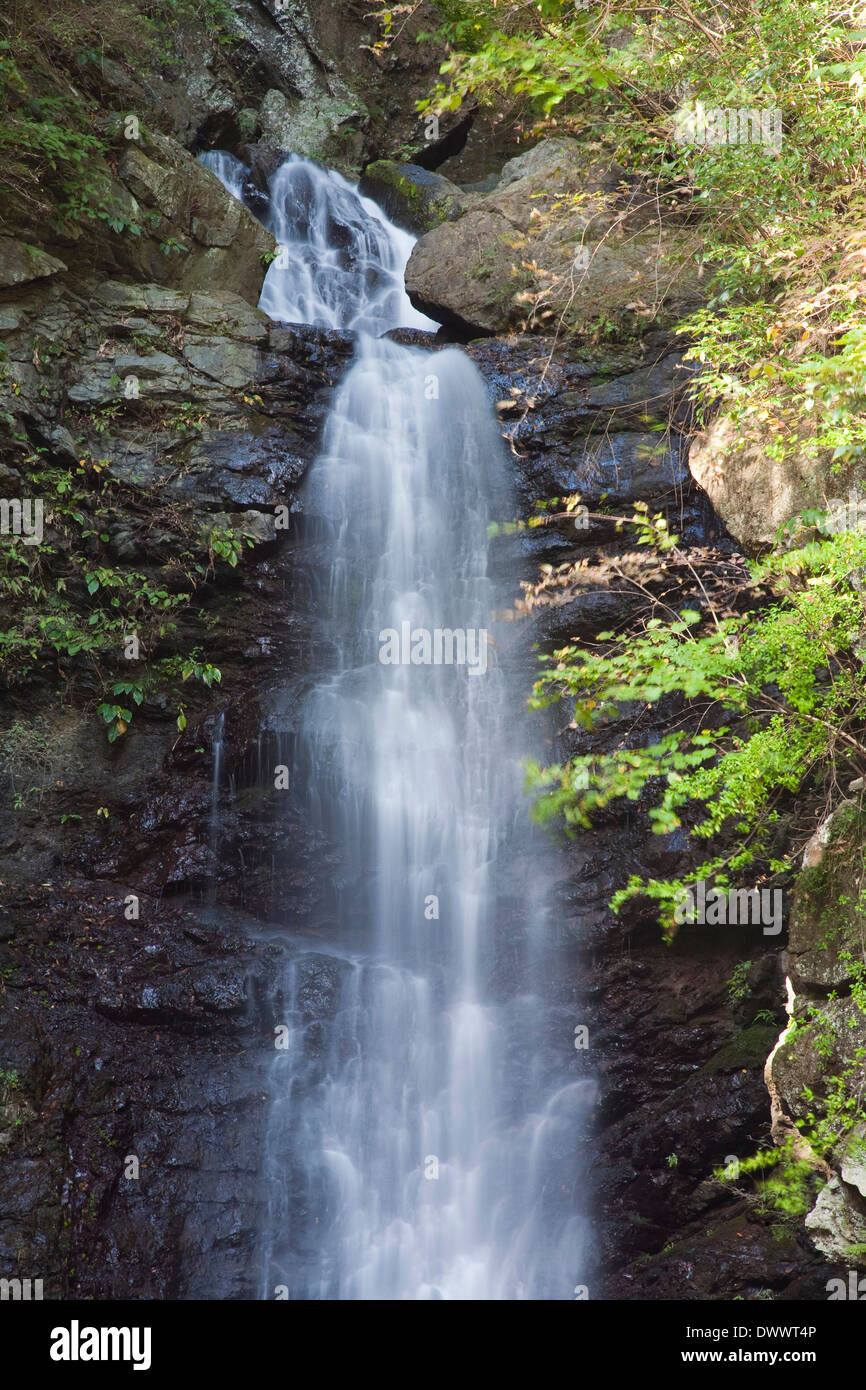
pixel 748 1049
pixel 387 172
pixel 426 205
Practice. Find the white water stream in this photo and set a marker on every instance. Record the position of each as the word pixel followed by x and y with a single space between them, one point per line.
pixel 422 1142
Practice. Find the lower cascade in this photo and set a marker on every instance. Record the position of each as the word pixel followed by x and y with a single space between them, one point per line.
pixel 422 1144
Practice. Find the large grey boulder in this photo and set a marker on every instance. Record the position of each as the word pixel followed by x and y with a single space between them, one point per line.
pixel 320 126
pixel 755 488
pixel 836 1227
pixel 548 241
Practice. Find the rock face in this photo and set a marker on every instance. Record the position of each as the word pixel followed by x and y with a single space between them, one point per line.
pixel 207 373
pixel 130 1127
pixel 820 1056
pixel 140 360
pixel 301 77
pixel 188 984
pixel 703 1012
pixel 136 372
pixel 555 236
pixel 587 422
pixel 171 223
pixel 199 236
pixel 161 217
pixel 202 417
pixel 134 1043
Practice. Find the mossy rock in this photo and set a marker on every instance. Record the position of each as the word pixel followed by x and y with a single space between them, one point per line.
pixel 413 198
pixel 748 1049
pixel 828 918
pixel 819 1048
pixel 319 127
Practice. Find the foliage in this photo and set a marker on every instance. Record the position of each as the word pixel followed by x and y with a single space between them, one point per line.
pixel 738 985
pixel 68 604
pixel 785 1176
pixel 59 122
pixel 784 1181
pixel 783 331
pixel 769 697
pixel 777 698
pixel 118 718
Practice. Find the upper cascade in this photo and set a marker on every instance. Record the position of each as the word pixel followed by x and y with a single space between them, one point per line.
pixel 340 261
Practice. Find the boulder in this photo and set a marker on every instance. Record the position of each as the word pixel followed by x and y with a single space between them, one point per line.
pixel 413 197
pixel 551 240
pixel 836 1227
pixel 826 923
pixel 853 1166
pixel 755 491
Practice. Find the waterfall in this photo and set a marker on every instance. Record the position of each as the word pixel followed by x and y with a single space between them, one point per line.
pixel 339 261
pixel 422 1136
pixel 231 173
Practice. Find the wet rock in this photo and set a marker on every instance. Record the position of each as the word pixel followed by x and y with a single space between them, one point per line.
pixel 588 423
pixel 249 470
pixel 320 984
pixel 124 1066
pixel 583 617
pixel 198 992
pixel 620 467
pixel 192 362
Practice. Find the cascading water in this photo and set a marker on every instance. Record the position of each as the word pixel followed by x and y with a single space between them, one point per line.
pixel 340 262
pixel 422 1143
pixel 231 173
